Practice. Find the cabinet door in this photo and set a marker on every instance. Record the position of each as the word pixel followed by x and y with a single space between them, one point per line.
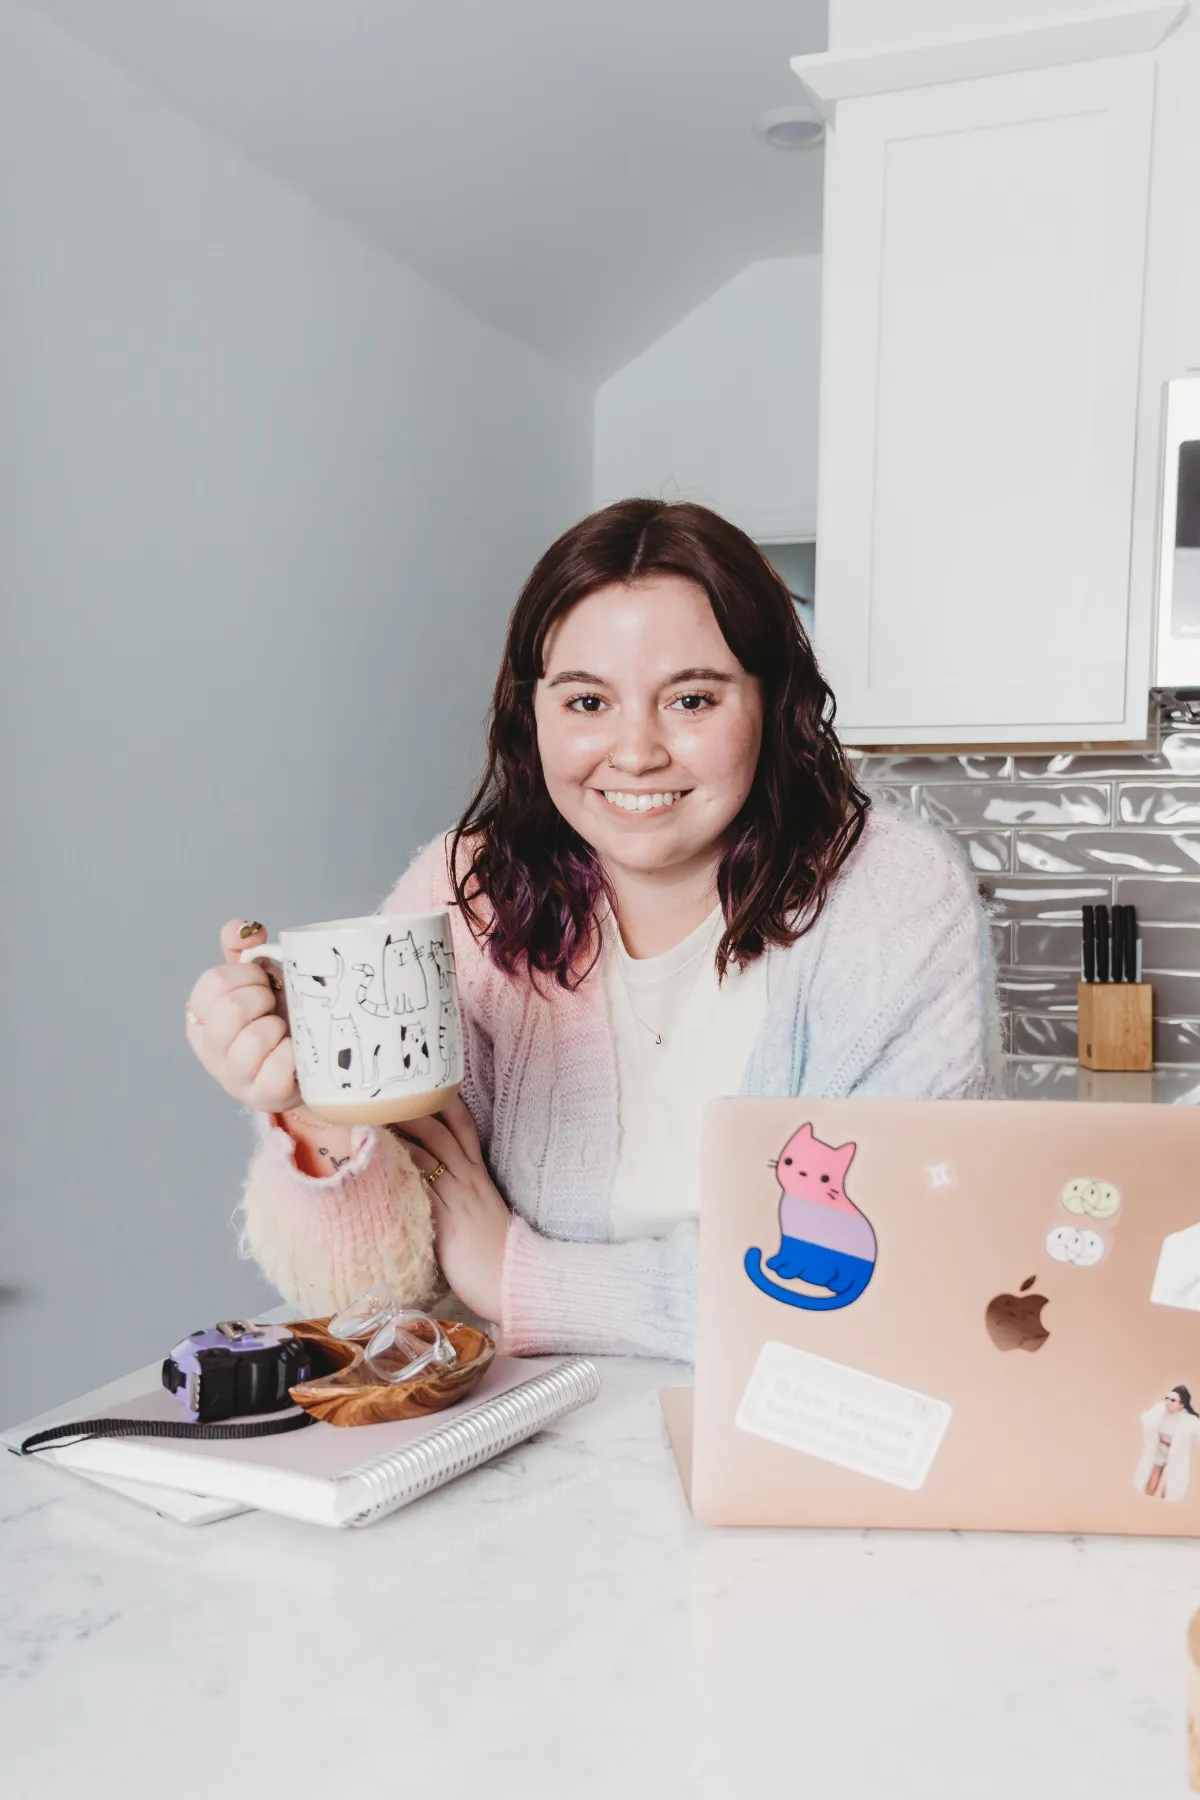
pixel 984 254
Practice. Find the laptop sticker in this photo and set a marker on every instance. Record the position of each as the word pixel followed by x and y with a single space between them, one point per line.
pixel 1170 1431
pixel 1177 1278
pixel 1068 1244
pixel 842 1415
pixel 825 1240
pixel 1091 1199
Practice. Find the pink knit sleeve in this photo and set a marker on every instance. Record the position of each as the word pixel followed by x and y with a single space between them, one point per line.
pixel 323 1240
pixel 636 1298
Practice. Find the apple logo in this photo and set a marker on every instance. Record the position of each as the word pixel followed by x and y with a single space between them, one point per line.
pixel 1014 1321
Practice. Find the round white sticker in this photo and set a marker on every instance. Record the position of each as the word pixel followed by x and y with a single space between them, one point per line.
pixel 1091 1199
pixel 1067 1244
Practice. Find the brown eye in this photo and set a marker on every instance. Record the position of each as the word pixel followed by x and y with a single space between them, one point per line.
pixel 824 1178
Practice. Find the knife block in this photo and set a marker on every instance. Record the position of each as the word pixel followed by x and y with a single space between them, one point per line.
pixel 1116 1025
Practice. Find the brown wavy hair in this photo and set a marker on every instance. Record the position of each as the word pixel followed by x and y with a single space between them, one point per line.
pixel 804 813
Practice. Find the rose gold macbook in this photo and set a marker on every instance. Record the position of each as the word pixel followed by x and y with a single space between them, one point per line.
pixel 970 1314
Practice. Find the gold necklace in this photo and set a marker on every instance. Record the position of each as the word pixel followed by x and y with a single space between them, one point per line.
pixel 696 962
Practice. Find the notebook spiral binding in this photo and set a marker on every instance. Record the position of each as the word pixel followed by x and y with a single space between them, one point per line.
pixel 461 1444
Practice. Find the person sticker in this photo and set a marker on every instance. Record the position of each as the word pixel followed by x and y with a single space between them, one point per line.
pixel 1170 1428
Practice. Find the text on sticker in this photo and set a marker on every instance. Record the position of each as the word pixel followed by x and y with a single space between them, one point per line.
pixel 842 1415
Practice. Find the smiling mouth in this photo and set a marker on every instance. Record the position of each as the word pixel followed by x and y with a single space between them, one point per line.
pixel 662 800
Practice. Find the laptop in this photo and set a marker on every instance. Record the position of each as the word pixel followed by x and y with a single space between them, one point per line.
pixel 946 1314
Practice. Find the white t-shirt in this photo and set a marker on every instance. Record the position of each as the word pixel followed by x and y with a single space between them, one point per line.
pixel 707 1032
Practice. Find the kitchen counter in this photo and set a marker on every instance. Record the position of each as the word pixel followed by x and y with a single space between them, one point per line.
pixel 1025 1078
pixel 557 1624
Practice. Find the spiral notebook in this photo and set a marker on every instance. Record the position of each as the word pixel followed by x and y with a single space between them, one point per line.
pixel 328 1474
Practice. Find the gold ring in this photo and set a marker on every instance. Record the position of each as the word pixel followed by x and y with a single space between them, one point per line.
pixel 434 1173
pixel 193 1018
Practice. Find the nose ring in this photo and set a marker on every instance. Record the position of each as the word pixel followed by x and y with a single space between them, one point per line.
pixel 609 759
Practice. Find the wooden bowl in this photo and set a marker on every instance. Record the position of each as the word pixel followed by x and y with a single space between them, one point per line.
pixel 346 1393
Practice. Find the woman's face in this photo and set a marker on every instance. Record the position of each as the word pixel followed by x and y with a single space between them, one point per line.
pixel 648 726
pixel 1174 1403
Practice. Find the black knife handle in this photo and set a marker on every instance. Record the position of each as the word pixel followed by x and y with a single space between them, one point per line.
pixel 1089 943
pixel 1130 943
pixel 1102 943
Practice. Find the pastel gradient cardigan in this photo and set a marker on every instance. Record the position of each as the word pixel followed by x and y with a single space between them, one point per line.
pixel 889 994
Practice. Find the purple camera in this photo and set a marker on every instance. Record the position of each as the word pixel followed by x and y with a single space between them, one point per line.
pixel 234 1368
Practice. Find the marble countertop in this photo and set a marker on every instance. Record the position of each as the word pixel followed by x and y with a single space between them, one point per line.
pixel 1028 1078
pixel 556 1624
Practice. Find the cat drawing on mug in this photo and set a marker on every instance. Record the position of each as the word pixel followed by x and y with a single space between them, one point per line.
pixel 442 957
pixel 824 1239
pixel 370 993
pixel 345 1051
pixel 311 991
pixel 404 983
pixel 308 1051
pixel 448 1034
pixel 402 1058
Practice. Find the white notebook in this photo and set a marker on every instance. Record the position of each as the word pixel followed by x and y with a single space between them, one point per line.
pixel 329 1474
pixel 168 1503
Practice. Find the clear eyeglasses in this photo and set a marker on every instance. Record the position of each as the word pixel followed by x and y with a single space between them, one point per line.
pixel 395 1351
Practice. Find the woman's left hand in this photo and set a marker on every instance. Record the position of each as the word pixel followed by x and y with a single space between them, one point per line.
pixel 470 1219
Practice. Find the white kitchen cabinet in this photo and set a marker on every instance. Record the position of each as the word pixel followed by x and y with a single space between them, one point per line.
pixel 982 306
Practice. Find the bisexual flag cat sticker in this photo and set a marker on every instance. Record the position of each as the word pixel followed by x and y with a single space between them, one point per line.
pixel 824 1239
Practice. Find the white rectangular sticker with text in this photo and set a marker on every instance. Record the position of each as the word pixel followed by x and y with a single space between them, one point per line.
pixel 843 1415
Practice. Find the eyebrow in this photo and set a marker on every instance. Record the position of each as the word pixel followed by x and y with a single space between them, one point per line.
pixel 584 675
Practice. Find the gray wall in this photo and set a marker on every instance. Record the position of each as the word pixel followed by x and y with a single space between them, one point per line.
pixel 265 501
pixel 1046 833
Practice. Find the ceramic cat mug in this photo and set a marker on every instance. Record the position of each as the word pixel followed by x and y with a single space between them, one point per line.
pixel 372 1007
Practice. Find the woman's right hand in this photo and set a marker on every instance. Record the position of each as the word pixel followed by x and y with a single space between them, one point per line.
pixel 239 1035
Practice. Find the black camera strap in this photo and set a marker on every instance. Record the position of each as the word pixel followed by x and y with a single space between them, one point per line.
pixel 168 1428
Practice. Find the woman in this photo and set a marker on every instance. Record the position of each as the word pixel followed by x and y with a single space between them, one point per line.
pixel 1169 1430
pixel 666 887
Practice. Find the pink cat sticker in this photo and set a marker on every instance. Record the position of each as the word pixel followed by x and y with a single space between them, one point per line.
pixel 825 1239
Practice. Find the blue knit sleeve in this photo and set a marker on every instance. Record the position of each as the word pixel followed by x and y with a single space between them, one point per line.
pixel 892 994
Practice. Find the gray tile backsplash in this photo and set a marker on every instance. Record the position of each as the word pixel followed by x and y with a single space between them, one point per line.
pixel 1168 902
pixel 1171 803
pixel 1177 1040
pixel 1038 990
pixel 1034 1034
pixel 988 850
pixel 1006 803
pixel 1040 945
pixel 1047 832
pixel 892 768
pixel 1036 897
pixel 1120 852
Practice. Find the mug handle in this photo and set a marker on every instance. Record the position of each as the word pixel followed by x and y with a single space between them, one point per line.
pixel 270 953
pixel 262 953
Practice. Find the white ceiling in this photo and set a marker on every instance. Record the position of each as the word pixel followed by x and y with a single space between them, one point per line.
pixel 580 172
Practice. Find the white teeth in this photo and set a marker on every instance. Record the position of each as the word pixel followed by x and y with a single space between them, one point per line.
pixel 640 802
